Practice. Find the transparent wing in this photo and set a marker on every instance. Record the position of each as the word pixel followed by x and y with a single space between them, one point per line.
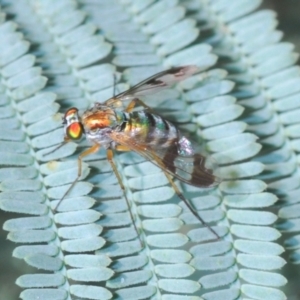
pixel 178 159
pixel 155 83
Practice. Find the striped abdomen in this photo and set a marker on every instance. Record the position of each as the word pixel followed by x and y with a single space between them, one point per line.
pixel 159 141
pixel 150 128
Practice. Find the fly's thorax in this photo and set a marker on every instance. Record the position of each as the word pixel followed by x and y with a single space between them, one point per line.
pixel 99 122
pixel 99 118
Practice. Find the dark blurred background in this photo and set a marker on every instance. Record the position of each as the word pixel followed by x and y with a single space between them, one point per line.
pixel 288 12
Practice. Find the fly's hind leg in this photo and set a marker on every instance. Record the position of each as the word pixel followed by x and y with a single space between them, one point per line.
pixel 193 211
pixel 135 102
pixel 87 152
pixel 109 154
pixel 180 195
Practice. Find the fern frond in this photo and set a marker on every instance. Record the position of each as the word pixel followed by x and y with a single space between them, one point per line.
pixel 243 107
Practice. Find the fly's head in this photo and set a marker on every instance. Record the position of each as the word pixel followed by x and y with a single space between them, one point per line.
pixel 72 125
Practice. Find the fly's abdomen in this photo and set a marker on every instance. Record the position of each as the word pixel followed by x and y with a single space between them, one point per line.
pixel 151 129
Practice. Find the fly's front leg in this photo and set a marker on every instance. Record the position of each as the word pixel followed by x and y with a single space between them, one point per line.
pixel 66 140
pixel 87 152
pixel 109 154
pixel 134 102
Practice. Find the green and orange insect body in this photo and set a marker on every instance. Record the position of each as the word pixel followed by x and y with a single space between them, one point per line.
pixel 111 126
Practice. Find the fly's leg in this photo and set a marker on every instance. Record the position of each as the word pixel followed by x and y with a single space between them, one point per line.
pixel 87 152
pixel 134 102
pixel 66 140
pixel 122 148
pixel 194 212
pixel 180 195
pixel 109 154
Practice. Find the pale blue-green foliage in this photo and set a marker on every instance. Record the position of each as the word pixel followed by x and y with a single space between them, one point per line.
pixel 59 54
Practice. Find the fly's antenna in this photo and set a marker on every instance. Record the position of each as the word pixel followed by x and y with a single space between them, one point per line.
pixel 56 148
pixel 115 84
pixel 115 88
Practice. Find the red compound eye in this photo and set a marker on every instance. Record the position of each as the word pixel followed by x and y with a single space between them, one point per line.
pixel 74 131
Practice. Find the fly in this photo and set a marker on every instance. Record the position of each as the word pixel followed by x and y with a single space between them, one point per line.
pixel 113 126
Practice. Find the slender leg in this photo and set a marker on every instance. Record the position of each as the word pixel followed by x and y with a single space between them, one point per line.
pixel 66 140
pixel 180 195
pixel 122 148
pixel 194 212
pixel 109 154
pixel 87 152
pixel 134 102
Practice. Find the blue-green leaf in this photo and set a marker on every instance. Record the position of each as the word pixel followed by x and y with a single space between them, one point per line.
pixel 244 114
pixel 40 280
pixel 47 294
pixel 90 292
pixel 45 262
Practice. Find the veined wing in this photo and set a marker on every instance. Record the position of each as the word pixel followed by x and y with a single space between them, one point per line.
pixel 155 83
pixel 178 159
